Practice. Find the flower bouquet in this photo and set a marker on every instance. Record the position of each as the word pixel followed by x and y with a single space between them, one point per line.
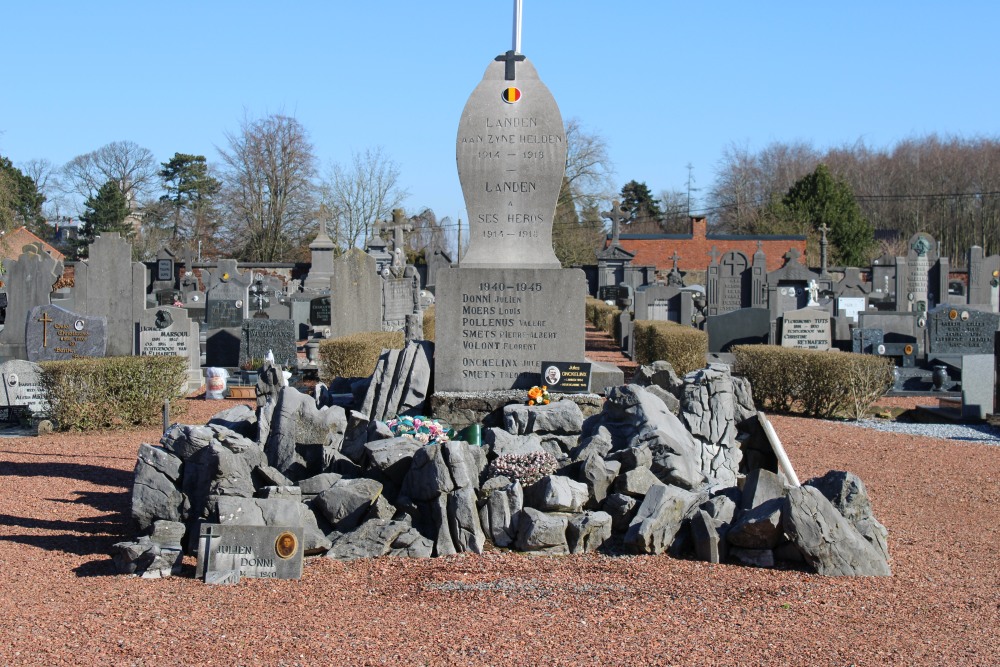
pixel 424 430
pixel 539 396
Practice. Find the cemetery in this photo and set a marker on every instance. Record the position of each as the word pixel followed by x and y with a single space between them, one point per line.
pixel 449 433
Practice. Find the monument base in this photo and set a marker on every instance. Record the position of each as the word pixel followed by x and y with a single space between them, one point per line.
pixel 495 327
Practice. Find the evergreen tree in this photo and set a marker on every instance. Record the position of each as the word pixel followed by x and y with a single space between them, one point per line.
pixel 105 212
pixel 190 190
pixel 819 198
pixel 643 210
pixel 20 201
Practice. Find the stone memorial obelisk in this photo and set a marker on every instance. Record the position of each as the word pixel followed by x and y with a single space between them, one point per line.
pixel 509 305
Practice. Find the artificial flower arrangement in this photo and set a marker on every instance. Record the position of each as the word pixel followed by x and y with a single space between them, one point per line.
pixel 539 395
pixel 424 430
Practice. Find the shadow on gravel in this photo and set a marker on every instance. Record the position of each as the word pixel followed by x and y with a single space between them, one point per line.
pixel 85 473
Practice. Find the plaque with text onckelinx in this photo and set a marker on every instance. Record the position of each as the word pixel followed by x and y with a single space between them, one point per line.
pixel 495 327
pixel 511 153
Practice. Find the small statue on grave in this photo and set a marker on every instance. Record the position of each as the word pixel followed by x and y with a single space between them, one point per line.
pixel 921 246
pixel 813 294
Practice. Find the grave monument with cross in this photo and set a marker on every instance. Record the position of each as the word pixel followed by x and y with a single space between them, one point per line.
pixel 613 260
pixel 509 305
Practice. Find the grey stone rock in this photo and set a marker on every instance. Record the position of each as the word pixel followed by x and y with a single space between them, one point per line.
pixel 588 532
pixel 675 458
pixel 411 544
pixel 258 511
pixel 241 419
pixel 848 494
pixel 556 493
pixel 759 527
pixel 558 417
pixel 371 539
pixel 721 507
pixel 658 519
pixel 359 431
pixel 541 532
pixel 428 476
pixel 708 537
pixel 743 394
pixel 829 542
pixel 633 457
pixel 659 374
pixel 346 502
pixel 622 509
pixel 709 410
pixel 434 516
pixel 155 492
pixel 636 483
pixel 381 509
pixel 760 487
pixel 146 559
pixel 183 440
pixel 168 534
pixel 669 400
pixel 500 442
pixel 296 423
pixel 752 557
pixel 598 475
pixel 390 459
pixel 598 443
pixel 500 509
pixel 265 475
pixel 232 474
pixel 630 409
pixel 314 541
pixel 463 521
pixel 249 450
pixel 400 382
pixel 291 492
pixel 462 464
pixel 310 487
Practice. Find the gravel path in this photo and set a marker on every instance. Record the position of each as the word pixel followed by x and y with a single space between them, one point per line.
pixel 65 497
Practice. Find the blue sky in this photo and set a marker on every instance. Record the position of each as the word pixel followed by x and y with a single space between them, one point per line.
pixel 665 83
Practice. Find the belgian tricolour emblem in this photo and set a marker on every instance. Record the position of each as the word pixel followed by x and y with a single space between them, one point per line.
pixel 510 95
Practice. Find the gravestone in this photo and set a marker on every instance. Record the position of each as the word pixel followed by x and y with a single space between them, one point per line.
pixel 984 279
pixel 747 326
pixel 729 283
pixel 110 285
pixel 789 287
pixel 954 331
pixel 29 281
pixel 260 336
pixel 668 303
pixel 508 306
pixel 978 385
pixel 806 329
pixel 436 259
pixel 21 393
pixel 355 295
pixel 227 552
pixel 319 312
pixel 226 307
pixel 57 334
pixel 168 331
pixel 400 297
pixel 866 341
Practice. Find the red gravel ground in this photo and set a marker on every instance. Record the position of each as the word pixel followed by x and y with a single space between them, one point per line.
pixel 64 499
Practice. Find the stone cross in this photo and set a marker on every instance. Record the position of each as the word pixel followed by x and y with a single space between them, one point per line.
pixel 616 217
pixel 792 256
pixel 823 244
pixel 398 226
pixel 509 58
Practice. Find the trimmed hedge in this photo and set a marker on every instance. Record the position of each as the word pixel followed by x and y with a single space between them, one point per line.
pixel 820 384
pixel 684 347
pixel 112 392
pixel 355 356
pixel 601 315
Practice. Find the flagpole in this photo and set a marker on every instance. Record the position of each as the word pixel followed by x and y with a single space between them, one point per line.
pixel 517 26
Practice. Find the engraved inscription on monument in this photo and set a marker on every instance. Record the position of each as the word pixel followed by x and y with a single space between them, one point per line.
pixel 806 329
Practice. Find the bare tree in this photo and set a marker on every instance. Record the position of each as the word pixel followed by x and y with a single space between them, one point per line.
pixel 268 187
pixel 589 170
pixel 358 196
pixel 125 162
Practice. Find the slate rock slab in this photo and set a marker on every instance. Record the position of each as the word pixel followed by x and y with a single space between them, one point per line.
pixel 542 533
pixel 659 518
pixel 558 417
pixel 828 541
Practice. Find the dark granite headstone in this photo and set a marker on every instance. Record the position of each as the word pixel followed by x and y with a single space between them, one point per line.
pixel 57 334
pixel 222 348
pixel 258 337
pixel 566 377
pixel 866 341
pixel 227 552
pixel 319 312
pixel 747 326
pixel 222 314
pixel 953 330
